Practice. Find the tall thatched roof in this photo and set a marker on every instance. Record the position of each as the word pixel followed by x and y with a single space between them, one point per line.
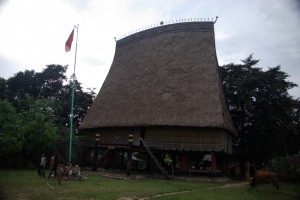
pixel 164 76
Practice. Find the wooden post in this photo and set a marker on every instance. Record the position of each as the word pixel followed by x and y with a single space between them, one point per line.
pixel 122 166
pixel 95 156
pixel 213 162
pixel 173 156
pixel 129 154
pixel 247 170
pixel 224 164
pixel 184 163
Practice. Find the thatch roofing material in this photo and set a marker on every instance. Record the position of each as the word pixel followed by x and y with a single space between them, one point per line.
pixel 165 76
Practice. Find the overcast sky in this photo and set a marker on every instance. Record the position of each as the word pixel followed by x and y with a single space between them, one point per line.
pixel 33 32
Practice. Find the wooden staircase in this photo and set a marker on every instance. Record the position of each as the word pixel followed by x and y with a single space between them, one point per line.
pixel 101 158
pixel 157 163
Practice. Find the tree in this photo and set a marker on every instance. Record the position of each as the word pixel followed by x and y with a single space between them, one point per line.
pixel 261 109
pixel 25 136
pixel 22 86
pixel 29 84
pixel 52 81
pixel 82 102
pixel 38 129
pixel 293 137
pixel 3 88
pixel 11 139
pixel 40 103
pixel 49 84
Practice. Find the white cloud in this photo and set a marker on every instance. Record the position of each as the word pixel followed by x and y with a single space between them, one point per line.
pixel 33 32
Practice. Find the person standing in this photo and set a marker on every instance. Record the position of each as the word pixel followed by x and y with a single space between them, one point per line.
pixel 43 165
pixel 52 166
pixel 60 169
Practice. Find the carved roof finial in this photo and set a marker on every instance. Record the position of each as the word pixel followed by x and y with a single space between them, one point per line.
pixel 216 19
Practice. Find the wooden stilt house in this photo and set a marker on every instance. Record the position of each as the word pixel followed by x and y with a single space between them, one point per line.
pixel 164 91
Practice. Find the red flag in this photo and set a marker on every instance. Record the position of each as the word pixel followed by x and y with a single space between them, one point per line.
pixel 69 42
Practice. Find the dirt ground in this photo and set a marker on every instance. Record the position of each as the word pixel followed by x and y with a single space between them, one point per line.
pixel 118 175
pixel 183 192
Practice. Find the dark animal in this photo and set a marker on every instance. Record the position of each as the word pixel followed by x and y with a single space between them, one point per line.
pixel 262 177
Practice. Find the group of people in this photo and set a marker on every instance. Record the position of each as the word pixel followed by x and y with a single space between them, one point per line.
pixel 59 168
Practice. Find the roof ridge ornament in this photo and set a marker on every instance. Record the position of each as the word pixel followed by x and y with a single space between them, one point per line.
pixel 216 19
pixel 162 23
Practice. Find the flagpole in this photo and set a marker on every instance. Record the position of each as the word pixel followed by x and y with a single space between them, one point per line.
pixel 72 101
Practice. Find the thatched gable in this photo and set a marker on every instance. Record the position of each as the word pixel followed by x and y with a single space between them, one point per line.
pixel 164 76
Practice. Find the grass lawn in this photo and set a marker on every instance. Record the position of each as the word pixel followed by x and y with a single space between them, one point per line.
pixel 23 184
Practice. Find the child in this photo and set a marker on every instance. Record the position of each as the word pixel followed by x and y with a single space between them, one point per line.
pixel 75 171
pixel 60 170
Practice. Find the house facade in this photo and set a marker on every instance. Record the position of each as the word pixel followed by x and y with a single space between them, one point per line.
pixel 162 97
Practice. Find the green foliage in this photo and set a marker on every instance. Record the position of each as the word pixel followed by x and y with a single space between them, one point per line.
pixel 22 86
pixel 293 171
pixel 29 84
pixel 168 160
pixel 274 164
pixel 38 129
pixel 3 89
pixel 10 126
pixel 34 114
pixel 10 145
pixel 262 110
pixel 28 134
